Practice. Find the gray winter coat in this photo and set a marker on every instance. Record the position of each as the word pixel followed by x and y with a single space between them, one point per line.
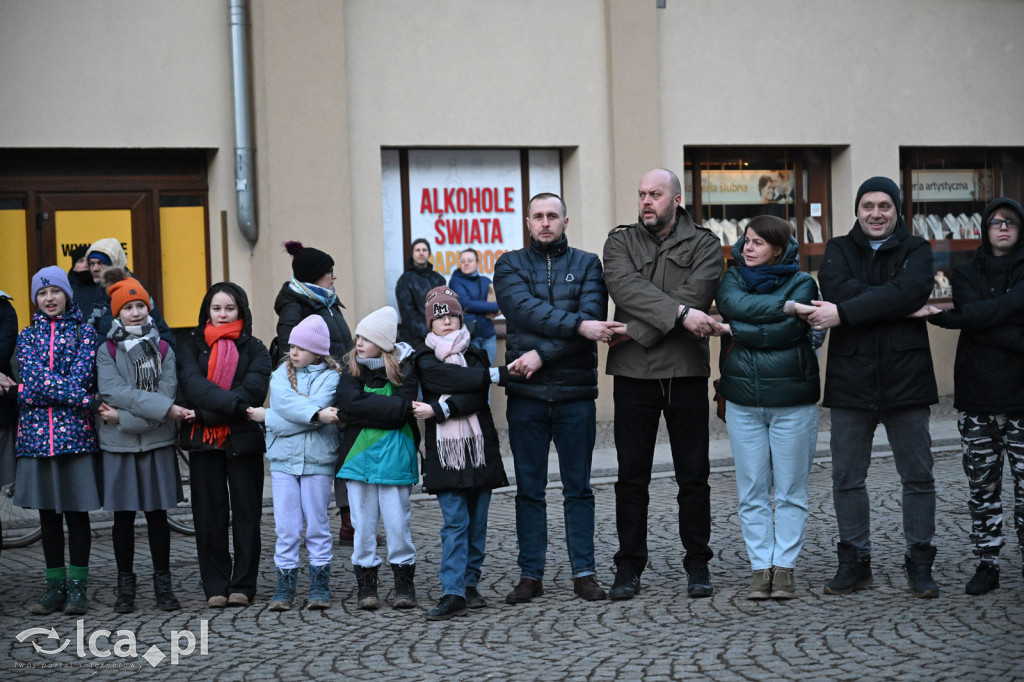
pixel 142 414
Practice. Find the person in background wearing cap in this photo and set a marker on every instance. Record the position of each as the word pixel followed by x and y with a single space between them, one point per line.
pixel 92 299
pixel 58 469
pixel 555 301
pixel 411 290
pixel 988 380
pixel 311 292
pixel 875 283
pixel 302 451
pixel 79 274
pixel 461 459
pixel 136 373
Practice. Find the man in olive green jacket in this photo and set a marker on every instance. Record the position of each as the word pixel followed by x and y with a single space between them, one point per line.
pixel 662 273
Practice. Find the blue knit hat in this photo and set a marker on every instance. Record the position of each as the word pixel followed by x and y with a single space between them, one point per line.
pixel 51 276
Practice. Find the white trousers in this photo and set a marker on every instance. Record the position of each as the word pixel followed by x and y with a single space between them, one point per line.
pixel 369 502
pixel 299 499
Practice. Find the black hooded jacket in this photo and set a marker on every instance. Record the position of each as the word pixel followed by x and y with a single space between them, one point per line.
pixel 212 404
pixel 293 307
pixel 988 309
pixel 410 295
pixel 878 358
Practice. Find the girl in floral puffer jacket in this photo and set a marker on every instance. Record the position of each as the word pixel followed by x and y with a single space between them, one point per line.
pixel 58 471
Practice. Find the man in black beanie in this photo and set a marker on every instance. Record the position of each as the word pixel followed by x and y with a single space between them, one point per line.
pixel 875 283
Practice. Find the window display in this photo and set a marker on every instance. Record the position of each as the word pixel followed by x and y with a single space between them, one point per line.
pixel 737 184
pixel 948 190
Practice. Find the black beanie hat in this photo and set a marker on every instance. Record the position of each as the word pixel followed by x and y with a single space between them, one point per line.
pixel 308 265
pixel 880 184
pixel 79 252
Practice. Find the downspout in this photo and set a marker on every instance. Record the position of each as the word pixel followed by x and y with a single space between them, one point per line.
pixel 244 186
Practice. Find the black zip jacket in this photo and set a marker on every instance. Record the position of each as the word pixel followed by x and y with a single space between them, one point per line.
pixel 545 293
pixel 878 358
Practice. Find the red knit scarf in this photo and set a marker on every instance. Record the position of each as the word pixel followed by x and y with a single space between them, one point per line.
pixel 221 370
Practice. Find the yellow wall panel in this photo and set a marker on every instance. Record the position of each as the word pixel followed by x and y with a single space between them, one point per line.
pixel 14 274
pixel 74 228
pixel 183 256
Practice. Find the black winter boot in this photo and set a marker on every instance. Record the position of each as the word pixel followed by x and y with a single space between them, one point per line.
pixel 986 579
pixel 367 581
pixel 125 600
pixel 854 573
pixel 165 599
pixel 405 587
pixel 918 565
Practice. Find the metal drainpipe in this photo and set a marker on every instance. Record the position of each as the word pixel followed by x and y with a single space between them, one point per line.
pixel 244 186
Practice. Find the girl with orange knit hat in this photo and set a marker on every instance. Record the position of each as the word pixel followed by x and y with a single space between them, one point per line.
pixel 137 380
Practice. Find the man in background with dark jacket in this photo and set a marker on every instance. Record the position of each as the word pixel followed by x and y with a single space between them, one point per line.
pixel 662 272
pixel 554 299
pixel 875 283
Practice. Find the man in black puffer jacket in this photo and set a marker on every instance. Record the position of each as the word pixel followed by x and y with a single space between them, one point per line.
pixel 875 283
pixel 554 299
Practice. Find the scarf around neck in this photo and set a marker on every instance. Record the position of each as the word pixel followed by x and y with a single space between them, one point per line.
pixel 460 436
pixel 764 279
pixel 221 370
pixel 141 343
pixel 326 296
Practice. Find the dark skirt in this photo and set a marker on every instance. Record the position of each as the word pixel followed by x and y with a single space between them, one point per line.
pixel 141 481
pixel 62 483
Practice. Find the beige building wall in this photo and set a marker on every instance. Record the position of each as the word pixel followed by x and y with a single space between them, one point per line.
pixel 123 74
pixel 618 85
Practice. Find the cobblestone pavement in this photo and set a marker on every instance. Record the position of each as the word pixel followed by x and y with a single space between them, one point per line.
pixel 880 633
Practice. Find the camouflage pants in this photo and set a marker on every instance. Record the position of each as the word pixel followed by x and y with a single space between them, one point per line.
pixel 984 438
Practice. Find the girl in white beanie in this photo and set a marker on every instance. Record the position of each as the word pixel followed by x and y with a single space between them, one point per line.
pixel 378 453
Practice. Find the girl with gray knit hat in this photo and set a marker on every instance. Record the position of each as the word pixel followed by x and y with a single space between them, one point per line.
pixel 378 453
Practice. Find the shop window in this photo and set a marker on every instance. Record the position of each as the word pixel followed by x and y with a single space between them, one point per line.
pixel 948 189
pixel 738 183
pixel 458 199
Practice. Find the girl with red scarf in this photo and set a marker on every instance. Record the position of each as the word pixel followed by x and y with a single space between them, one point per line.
pixel 222 371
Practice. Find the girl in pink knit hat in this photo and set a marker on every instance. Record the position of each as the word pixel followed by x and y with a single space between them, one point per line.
pixel 302 446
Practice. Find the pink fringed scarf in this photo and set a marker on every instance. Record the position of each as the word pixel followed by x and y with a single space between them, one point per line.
pixel 461 436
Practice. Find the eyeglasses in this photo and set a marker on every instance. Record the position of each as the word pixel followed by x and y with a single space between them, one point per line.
pixel 996 223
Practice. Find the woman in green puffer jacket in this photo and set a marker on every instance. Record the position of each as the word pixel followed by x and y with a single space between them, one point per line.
pixel 770 382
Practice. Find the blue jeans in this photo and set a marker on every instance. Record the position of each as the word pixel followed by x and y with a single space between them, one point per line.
pixel 907 429
pixel 772 445
pixel 532 425
pixel 463 538
pixel 489 344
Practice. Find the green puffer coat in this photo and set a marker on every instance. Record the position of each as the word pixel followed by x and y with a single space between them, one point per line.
pixel 772 362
